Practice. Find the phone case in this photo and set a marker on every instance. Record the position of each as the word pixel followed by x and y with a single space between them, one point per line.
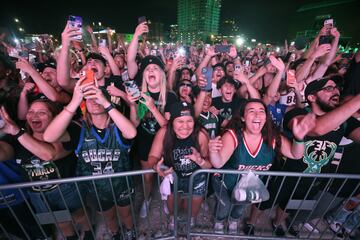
pixel 76 22
pixel 89 76
pixel 132 88
pixel 290 77
pixel 207 71
pixel 222 48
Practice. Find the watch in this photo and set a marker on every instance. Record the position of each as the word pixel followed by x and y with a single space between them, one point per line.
pixel 20 133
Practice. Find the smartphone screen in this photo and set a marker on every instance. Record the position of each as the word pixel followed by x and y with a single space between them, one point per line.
pixel 290 77
pixel 102 43
pixel 76 22
pixel 237 67
pixel 207 72
pixel 222 48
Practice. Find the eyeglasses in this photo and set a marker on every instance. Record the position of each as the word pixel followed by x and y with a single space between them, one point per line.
pixel 186 85
pixel 330 88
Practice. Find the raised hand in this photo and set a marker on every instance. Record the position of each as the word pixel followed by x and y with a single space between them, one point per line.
pixel 277 63
pixel 24 65
pixel 69 34
pixel 300 128
pixel 140 29
pixel 321 50
pixel 149 101
pixel 233 52
pixel 28 87
pixel 10 127
pixel 334 32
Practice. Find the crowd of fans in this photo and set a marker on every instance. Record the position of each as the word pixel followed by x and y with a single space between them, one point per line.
pixel 81 110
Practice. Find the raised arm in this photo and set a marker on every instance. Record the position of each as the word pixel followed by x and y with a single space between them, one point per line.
pixel 247 89
pixel 23 104
pixel 205 61
pixel 133 47
pixel 63 61
pixel 56 131
pixel 275 83
pixel 48 90
pixel 104 51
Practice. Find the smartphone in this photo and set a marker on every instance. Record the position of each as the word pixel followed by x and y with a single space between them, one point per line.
pixel 247 63
pixel 290 77
pixel 141 19
pixel 324 40
pixel 222 48
pixel 24 54
pixel 207 72
pixel 329 23
pixel 89 76
pixel 237 67
pixel 30 46
pixel 132 88
pixel 102 43
pixel 76 22
pixel 153 52
pixel 125 76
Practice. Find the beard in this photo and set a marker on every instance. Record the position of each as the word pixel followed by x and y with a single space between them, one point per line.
pixel 324 106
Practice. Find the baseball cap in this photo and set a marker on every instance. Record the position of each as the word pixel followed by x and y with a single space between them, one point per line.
pixel 317 85
pixel 151 60
pixel 179 109
pixel 97 56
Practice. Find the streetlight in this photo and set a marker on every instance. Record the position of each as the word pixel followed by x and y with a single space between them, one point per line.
pixel 21 29
pixel 16 20
pixel 240 41
pixel 99 23
pixel 253 40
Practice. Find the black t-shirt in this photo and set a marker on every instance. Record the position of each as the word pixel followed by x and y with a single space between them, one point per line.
pixel 35 169
pixel 351 79
pixel 319 150
pixel 227 109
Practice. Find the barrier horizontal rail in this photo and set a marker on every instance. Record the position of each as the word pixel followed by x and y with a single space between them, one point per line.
pixel 314 207
pixel 143 227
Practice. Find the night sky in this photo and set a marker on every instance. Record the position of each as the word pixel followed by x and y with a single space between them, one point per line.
pixel 261 19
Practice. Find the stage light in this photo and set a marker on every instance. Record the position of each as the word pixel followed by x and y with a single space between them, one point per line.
pixel 240 41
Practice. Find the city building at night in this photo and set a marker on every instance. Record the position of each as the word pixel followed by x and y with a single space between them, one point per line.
pixel 198 19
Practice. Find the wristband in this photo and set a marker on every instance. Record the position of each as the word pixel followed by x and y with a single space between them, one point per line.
pixel 20 133
pixel 298 141
pixel 109 108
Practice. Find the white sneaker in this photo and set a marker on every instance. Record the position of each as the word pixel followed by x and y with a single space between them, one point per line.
pixel 310 227
pixel 219 227
pixel 192 222
pixel 144 208
pixel 171 224
pixel 166 209
pixel 233 225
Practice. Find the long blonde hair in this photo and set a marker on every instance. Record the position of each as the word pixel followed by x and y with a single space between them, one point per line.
pixel 163 90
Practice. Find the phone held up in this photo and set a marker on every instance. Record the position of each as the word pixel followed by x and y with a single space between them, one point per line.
pixel 132 88
pixel 222 48
pixel 89 77
pixel 207 72
pixel 324 40
pixel 76 22
pixel 290 77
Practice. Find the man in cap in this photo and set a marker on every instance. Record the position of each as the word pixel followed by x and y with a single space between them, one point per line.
pixel 333 121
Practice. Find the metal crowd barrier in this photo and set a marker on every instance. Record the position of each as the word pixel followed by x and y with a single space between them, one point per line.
pixel 313 208
pixel 154 226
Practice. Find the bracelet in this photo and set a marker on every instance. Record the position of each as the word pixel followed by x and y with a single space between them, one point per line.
pixel 109 108
pixel 67 110
pixel 20 133
pixel 298 141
